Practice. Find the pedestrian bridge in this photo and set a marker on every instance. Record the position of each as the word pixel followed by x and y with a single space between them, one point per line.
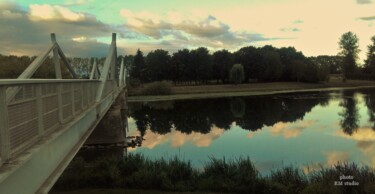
pixel 44 122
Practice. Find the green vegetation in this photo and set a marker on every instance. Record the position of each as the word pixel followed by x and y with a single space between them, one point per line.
pixel 237 74
pixel 218 175
pixel 157 88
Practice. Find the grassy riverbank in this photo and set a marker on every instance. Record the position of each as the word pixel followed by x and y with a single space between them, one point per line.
pixel 227 90
pixel 137 173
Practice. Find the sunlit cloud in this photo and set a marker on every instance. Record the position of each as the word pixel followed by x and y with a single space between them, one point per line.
pixel 77 33
pixel 364 1
pixel 176 25
pixel 336 156
pixel 290 130
pixel 80 39
pixel 200 28
pixel 313 167
pixel 365 141
pixel 49 12
pixel 177 139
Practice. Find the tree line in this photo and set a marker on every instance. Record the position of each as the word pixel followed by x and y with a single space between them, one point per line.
pixel 199 66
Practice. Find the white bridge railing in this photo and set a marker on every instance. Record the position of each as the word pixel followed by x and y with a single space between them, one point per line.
pixel 33 108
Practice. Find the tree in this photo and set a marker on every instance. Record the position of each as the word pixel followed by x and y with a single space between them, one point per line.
pixel 291 59
pixel 271 68
pixel 180 66
pixel 158 65
pixel 332 63
pixel 250 58
pixel 349 51
pixel 138 67
pixel 237 74
pixel 202 64
pixel 370 61
pixel 222 62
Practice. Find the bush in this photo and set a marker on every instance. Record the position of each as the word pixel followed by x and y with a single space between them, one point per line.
pixel 157 88
pixel 134 82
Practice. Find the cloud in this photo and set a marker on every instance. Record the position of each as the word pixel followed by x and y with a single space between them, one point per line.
pixel 290 130
pixel 289 29
pixel 365 141
pixel 56 12
pixel 297 22
pixel 76 2
pixel 27 31
pixel 202 29
pixel 313 167
pixel 178 139
pixel 334 157
pixel 368 18
pixel 364 1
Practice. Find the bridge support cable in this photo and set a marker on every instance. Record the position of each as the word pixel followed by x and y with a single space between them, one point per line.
pixel 107 77
pixel 121 76
pixel 33 67
pixel 95 70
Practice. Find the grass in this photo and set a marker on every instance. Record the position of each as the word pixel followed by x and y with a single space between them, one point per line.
pixel 156 88
pixel 138 174
pixel 223 90
pixel 124 191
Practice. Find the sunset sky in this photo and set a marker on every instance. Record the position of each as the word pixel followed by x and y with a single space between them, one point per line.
pixel 84 27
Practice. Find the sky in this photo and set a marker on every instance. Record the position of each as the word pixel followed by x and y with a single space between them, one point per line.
pixel 83 27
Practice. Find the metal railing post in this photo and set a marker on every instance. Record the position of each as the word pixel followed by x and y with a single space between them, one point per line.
pixel 125 76
pixel 82 96
pixel 72 99
pixel 39 106
pixel 4 130
pixel 60 103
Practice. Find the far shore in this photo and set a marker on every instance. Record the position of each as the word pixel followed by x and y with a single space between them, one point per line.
pixel 251 89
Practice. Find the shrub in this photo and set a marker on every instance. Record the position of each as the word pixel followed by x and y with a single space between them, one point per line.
pixel 237 74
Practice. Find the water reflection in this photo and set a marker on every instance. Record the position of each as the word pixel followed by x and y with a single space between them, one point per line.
pixel 251 113
pixel 350 116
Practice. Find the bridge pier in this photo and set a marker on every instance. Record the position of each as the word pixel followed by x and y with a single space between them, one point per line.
pixel 111 129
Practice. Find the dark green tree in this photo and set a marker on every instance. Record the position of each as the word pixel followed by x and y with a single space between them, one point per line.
pixel 181 71
pixel 250 58
pixel 138 69
pixel 333 63
pixel 222 63
pixel 201 62
pixel 370 61
pixel 349 50
pixel 158 65
pixel 271 68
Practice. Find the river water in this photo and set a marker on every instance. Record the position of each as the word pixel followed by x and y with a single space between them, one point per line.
pixel 306 130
